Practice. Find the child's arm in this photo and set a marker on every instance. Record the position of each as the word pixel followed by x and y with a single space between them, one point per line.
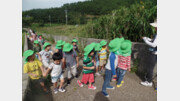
pixel 63 62
pixel 45 74
pixel 112 62
pixel 77 60
pixel 88 67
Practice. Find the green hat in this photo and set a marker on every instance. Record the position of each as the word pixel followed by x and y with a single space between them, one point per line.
pixel 89 48
pixel 74 40
pixel 114 44
pixel 46 44
pixel 67 47
pixel 97 47
pixel 27 54
pixel 60 43
pixel 58 47
pixel 103 42
pixel 36 42
pixel 126 47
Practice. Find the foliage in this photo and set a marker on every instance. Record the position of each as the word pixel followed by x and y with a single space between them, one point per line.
pixel 49 39
pixel 135 66
pixel 27 21
pixel 130 22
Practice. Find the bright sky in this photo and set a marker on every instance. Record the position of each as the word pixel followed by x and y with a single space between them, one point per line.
pixel 30 4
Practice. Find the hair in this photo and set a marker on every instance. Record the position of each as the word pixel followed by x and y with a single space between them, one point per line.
pixel 57 56
pixel 91 51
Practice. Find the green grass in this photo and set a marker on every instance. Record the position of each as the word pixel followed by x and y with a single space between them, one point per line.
pixel 23 36
pixel 58 29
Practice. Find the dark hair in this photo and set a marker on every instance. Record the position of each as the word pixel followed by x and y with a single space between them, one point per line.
pixel 57 56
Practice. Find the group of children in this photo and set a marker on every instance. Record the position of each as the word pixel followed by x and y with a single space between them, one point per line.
pixel 65 58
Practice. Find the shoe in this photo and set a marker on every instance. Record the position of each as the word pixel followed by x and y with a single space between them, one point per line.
pixel 122 82
pixel 97 74
pixel 76 76
pixel 55 91
pixel 79 83
pixel 119 85
pixel 110 87
pixel 105 94
pixel 62 89
pixel 146 83
pixel 68 82
pixel 92 87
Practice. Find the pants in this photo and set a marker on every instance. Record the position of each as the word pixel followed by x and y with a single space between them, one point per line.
pixel 108 76
pixel 71 70
pixel 150 70
pixel 120 75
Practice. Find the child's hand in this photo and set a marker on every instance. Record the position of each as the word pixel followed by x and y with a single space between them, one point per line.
pixel 92 67
pixel 129 69
pixel 44 74
pixel 114 76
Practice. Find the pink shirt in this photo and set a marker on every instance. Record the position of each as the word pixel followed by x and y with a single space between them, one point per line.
pixel 124 62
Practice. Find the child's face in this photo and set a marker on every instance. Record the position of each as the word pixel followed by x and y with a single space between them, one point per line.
pixel 31 58
pixel 57 62
pixel 74 43
pixel 37 44
pixel 92 53
pixel 104 46
pixel 48 48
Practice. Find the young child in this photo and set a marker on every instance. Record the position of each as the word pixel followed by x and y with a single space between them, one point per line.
pixel 110 71
pixel 70 59
pixel 96 56
pixel 56 72
pixel 45 54
pixel 88 67
pixel 59 47
pixel 75 47
pixel 124 61
pixel 34 68
pixel 36 48
pixel 103 54
pixel 40 39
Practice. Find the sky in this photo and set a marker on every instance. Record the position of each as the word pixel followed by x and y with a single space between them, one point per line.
pixel 33 4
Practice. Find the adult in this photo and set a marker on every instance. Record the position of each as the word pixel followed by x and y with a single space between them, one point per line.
pixel 153 51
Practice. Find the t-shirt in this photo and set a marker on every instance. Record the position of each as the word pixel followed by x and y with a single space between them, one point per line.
pixel 103 54
pixel 33 67
pixel 70 58
pixel 56 69
pixel 45 55
pixel 87 62
pixel 75 48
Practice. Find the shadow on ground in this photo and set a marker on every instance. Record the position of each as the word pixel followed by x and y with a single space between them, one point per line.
pixel 100 97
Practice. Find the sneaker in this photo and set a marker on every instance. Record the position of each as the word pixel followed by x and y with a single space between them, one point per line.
pixel 79 83
pixel 97 74
pixel 105 94
pixel 92 87
pixel 68 82
pixel 119 85
pixel 122 82
pixel 55 91
pixel 110 87
pixel 62 89
pixel 146 83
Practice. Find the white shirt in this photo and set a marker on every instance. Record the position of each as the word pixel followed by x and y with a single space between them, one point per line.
pixel 45 55
pixel 149 42
pixel 56 69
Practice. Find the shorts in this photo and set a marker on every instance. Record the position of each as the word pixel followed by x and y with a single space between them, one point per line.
pixel 71 70
pixel 102 62
pixel 87 78
pixel 46 64
pixel 97 64
pixel 54 79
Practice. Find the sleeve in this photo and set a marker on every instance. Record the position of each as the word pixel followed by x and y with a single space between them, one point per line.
pixel 112 61
pixel 128 61
pixel 50 66
pixel 152 44
pixel 26 68
pixel 39 63
pixel 41 53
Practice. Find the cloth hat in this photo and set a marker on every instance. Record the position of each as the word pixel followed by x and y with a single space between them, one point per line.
pixel 58 47
pixel 27 54
pixel 97 47
pixel 74 40
pixel 36 42
pixel 125 47
pixel 154 24
pixel 89 48
pixel 115 44
pixel 46 44
pixel 103 42
pixel 60 43
pixel 67 47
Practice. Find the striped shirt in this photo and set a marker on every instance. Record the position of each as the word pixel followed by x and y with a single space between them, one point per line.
pixel 87 62
pixel 103 54
pixel 124 62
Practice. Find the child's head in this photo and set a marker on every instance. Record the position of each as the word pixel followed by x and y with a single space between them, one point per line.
pixel 67 47
pixel 91 53
pixel 74 42
pixel 103 43
pixel 47 46
pixel 57 58
pixel 89 49
pixel 29 55
pixel 36 43
pixel 31 58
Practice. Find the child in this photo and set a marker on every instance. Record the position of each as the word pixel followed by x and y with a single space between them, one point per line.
pixel 36 48
pixel 71 60
pixel 40 39
pixel 96 54
pixel 45 54
pixel 124 61
pixel 56 72
pixel 110 71
pixel 34 68
pixel 103 54
pixel 75 47
pixel 88 67
pixel 59 47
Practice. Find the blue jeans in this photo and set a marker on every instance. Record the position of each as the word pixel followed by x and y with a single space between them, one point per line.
pixel 120 75
pixel 108 76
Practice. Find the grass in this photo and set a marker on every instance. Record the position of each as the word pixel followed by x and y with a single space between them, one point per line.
pixel 58 29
